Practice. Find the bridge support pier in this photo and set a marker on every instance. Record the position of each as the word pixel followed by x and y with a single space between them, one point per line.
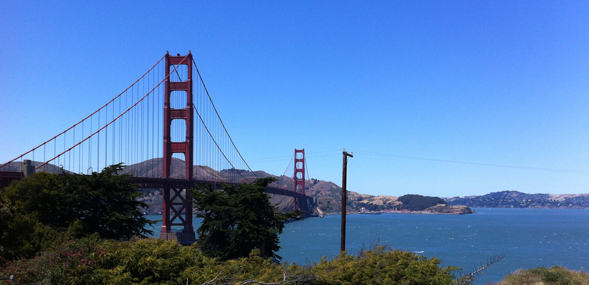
pixel 302 204
pixel 27 168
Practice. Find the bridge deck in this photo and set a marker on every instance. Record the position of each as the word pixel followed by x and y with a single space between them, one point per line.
pixel 147 182
pixel 7 177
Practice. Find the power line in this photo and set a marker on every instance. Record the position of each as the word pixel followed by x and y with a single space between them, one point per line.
pixel 473 163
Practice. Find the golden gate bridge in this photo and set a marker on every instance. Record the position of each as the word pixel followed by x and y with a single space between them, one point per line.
pixel 150 126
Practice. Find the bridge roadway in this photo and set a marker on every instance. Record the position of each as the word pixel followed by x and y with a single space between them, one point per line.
pixel 145 182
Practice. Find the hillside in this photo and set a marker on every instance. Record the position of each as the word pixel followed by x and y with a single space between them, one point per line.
pixel 328 194
pixel 515 199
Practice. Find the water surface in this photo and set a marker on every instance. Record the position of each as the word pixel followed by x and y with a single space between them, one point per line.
pixel 528 237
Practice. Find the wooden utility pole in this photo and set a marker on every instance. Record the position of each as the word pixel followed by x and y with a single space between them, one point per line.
pixel 344 198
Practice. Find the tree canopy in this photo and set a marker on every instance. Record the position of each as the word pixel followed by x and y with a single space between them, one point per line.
pixel 413 202
pixel 239 219
pixel 44 204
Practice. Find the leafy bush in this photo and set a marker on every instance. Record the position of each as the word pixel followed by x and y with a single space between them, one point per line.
pixel 71 263
pixel 246 269
pixel 144 261
pixel 382 266
pixel 153 261
pixel 555 275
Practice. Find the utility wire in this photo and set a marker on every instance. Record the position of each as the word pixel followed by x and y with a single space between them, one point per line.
pixel 473 163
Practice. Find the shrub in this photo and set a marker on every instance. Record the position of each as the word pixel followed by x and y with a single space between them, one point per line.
pixel 70 263
pixel 382 266
pixel 144 261
pixel 555 275
pixel 245 269
pixel 153 261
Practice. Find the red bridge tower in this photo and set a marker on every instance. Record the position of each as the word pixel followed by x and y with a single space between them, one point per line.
pixel 299 178
pixel 177 205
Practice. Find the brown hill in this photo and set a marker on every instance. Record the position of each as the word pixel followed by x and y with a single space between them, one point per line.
pixel 327 193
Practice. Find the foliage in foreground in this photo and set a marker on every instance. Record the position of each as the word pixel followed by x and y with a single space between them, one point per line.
pixel 382 266
pixel 153 261
pixel 239 219
pixel 555 275
pixel 43 210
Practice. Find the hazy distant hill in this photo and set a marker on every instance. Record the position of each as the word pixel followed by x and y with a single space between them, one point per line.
pixel 515 199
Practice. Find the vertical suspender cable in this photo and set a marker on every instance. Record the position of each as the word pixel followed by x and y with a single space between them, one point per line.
pixel 152 131
pixel 106 138
pixel 142 126
pixel 98 147
pixel 73 142
pixel 113 135
pixel 120 144
pixel 81 152
pixel 90 148
pixel 127 131
pixel 211 100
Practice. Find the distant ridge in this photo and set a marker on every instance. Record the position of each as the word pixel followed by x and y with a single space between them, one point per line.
pixel 516 199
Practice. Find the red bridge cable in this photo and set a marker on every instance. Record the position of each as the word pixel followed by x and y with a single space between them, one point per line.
pixel 211 135
pixel 213 104
pixel 87 116
pixel 307 169
pixel 139 101
pixel 287 167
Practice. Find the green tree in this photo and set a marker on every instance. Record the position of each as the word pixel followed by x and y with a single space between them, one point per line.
pixel 239 219
pixel 22 235
pixel 44 209
pixel 415 202
pixel 106 203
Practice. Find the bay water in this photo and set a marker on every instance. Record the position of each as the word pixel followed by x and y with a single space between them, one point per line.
pixel 527 237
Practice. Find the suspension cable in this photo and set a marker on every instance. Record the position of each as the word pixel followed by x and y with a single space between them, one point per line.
pixel 138 101
pixel 218 116
pixel 87 116
pixel 287 167
pixel 211 135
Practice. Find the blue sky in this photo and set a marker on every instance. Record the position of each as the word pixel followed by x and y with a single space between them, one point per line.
pixel 440 98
